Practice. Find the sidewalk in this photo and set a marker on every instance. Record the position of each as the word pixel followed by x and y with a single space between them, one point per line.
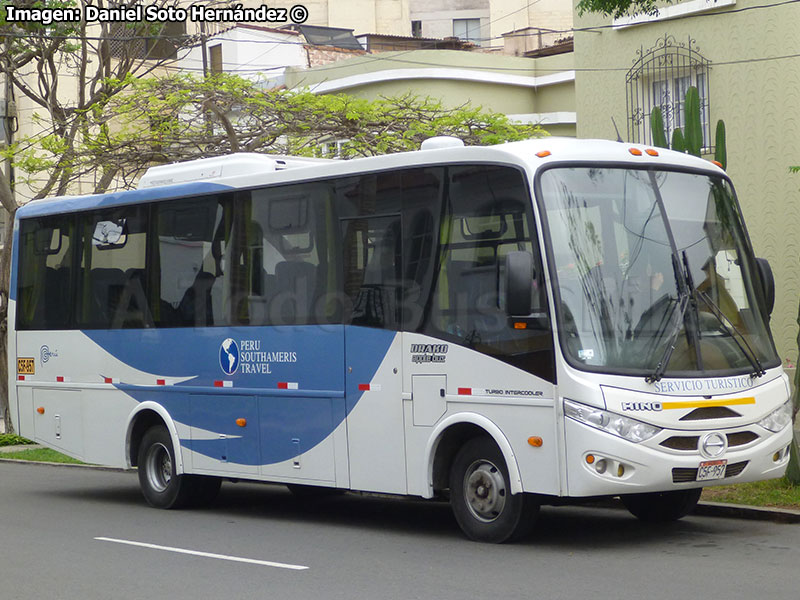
pixel 4 449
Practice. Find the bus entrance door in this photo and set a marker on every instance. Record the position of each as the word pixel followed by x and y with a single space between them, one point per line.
pixel 375 410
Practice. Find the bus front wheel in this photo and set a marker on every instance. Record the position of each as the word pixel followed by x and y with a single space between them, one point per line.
pixel 662 507
pixel 481 498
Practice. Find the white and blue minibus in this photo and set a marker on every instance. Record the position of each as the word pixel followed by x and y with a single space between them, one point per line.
pixel 503 326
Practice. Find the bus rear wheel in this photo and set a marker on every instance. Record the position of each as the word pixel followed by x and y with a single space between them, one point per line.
pixel 161 486
pixel 662 507
pixel 481 498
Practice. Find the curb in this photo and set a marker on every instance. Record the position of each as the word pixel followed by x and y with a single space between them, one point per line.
pixel 41 463
pixel 7 449
pixel 727 511
pixel 741 511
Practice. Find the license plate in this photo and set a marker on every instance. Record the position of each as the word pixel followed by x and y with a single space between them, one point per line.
pixel 712 469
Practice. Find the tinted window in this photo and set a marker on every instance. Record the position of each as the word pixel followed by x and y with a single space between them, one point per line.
pixel 111 283
pixel 188 285
pixel 283 260
pixel 45 268
pixel 487 214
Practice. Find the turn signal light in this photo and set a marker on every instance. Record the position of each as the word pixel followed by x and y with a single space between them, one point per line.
pixel 590 458
pixel 241 422
pixel 535 441
pixel 40 410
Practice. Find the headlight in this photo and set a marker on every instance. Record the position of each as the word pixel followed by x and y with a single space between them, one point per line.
pixel 624 427
pixel 778 418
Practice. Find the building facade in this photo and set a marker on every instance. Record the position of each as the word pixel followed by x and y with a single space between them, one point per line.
pixel 530 90
pixel 743 58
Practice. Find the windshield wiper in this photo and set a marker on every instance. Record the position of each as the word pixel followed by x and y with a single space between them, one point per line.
pixel 684 297
pixel 734 334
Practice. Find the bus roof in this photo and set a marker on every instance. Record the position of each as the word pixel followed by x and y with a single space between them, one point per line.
pixel 217 174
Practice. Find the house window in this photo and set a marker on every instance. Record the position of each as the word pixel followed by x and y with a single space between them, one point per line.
pixel 468 30
pixel 660 78
pixel 215 58
pixel 416 29
pixel 156 41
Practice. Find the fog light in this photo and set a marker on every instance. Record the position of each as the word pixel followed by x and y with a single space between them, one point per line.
pixel 776 457
pixel 600 466
pixel 620 471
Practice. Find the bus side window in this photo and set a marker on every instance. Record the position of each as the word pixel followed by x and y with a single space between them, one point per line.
pixel 372 270
pixel 44 288
pixel 288 272
pixel 487 214
pixel 187 255
pixel 422 200
pixel 369 208
pixel 111 288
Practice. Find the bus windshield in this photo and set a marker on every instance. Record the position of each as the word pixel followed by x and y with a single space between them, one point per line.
pixel 653 273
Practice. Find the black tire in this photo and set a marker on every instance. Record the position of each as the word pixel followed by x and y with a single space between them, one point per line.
pixel 662 507
pixel 481 498
pixel 161 486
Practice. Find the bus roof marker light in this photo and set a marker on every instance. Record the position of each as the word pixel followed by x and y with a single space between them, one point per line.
pixel 441 141
pixel 543 154
pixel 719 164
pixel 651 152
pixel 635 151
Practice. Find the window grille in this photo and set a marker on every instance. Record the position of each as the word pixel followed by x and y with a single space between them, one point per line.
pixel 152 41
pixel 660 77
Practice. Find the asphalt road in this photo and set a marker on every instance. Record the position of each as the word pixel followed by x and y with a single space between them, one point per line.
pixel 68 533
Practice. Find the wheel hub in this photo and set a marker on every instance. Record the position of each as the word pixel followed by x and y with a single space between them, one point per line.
pixel 485 490
pixel 159 467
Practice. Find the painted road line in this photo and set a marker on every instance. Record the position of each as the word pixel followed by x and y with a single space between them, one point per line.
pixel 252 561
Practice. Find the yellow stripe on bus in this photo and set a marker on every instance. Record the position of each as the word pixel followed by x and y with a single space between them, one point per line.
pixel 707 403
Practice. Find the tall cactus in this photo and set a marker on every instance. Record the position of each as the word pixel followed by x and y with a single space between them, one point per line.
pixel 657 127
pixel 678 142
pixel 720 151
pixel 689 139
pixel 694 128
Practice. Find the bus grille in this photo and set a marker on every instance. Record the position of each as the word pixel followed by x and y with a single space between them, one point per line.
pixel 710 412
pixel 681 475
pixel 689 443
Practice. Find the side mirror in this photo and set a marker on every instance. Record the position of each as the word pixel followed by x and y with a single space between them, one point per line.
pixel 768 284
pixel 519 283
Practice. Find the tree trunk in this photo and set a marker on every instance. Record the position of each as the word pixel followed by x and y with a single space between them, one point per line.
pixel 5 269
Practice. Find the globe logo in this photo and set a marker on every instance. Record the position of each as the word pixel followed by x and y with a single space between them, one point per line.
pixel 229 356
